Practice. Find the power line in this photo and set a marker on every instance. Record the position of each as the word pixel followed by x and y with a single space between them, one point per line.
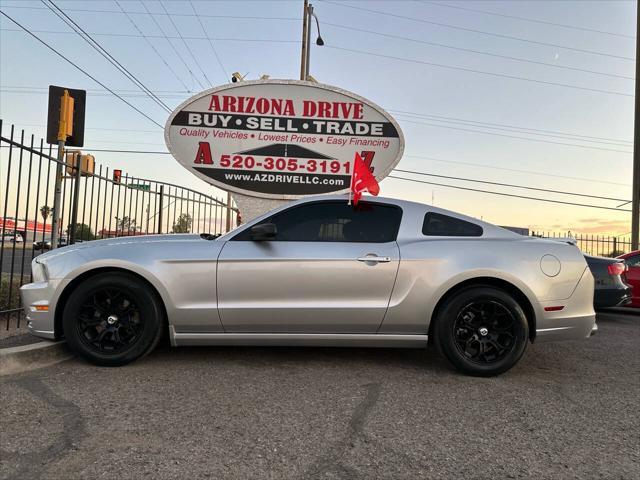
pixel 561 202
pixel 478 52
pixel 532 20
pixel 500 184
pixel 137 94
pixel 494 74
pixel 482 32
pixel 156 152
pixel 92 128
pixel 517 137
pixel 166 37
pixel 97 47
pixel 226 76
pixel 173 47
pixel 186 44
pixel 80 69
pixel 507 129
pixel 612 141
pixel 506 169
pixel 363 52
pixel 153 47
pixel 87 10
pixel 432 117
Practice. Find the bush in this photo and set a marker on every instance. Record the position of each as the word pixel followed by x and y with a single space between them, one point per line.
pixel 13 301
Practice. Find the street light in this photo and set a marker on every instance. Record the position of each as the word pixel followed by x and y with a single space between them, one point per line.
pixel 306 39
pixel 319 40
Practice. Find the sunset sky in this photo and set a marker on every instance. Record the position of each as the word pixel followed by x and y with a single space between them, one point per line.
pixel 538 94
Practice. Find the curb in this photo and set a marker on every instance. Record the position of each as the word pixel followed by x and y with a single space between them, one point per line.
pixel 29 357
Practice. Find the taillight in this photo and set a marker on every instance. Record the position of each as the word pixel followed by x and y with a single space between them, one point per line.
pixel 616 268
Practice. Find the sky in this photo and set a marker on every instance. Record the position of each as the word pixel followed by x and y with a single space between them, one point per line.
pixel 530 93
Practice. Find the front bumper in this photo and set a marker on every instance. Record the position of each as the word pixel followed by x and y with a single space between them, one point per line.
pixel 39 306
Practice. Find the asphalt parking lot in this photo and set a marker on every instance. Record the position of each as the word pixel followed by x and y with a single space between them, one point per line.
pixel 568 410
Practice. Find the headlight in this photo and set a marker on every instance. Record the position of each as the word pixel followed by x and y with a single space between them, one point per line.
pixel 39 272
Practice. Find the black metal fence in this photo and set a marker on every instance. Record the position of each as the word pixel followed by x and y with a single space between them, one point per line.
pixel 93 206
pixel 599 245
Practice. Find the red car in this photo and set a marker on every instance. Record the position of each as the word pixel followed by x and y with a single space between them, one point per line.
pixel 632 275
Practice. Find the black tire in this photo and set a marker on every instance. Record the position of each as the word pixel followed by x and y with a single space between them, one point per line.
pixel 482 331
pixel 112 319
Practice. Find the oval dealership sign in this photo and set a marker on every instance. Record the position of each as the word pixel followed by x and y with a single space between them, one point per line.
pixel 282 138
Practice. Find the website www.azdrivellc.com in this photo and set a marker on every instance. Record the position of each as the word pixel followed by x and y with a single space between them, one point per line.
pixel 288 178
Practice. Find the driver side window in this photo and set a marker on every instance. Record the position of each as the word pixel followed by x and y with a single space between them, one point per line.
pixel 335 221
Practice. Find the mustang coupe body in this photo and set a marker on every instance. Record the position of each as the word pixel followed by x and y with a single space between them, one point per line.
pixel 319 271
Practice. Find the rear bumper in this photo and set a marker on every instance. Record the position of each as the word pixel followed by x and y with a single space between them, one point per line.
pixel 612 297
pixel 576 320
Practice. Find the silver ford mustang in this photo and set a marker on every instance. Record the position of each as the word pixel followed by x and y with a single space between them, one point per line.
pixel 318 271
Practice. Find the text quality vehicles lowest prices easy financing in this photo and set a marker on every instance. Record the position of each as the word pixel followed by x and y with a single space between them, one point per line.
pixel 319 271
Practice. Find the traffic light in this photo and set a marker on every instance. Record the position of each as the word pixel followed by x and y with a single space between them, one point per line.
pixel 66 116
pixel 87 163
pixel 117 174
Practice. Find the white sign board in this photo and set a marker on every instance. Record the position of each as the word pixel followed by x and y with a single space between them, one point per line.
pixel 281 139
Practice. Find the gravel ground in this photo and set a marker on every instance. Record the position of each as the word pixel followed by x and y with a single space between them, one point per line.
pixel 568 410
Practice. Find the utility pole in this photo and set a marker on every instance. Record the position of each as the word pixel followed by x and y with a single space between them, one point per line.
pixel 308 62
pixel 305 45
pixel 635 203
pixel 305 55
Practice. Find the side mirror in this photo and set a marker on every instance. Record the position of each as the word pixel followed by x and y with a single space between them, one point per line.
pixel 264 231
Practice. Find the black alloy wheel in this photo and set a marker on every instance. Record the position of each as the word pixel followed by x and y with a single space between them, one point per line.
pixel 484 331
pixel 481 330
pixel 113 318
pixel 109 321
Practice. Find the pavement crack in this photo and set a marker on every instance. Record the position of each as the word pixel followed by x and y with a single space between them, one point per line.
pixel 330 463
pixel 31 463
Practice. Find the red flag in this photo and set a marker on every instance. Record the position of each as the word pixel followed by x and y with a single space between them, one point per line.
pixel 362 179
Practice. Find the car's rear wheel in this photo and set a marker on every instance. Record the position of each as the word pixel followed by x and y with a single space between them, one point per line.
pixel 482 331
pixel 112 319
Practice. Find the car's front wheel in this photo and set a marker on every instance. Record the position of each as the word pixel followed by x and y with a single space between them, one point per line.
pixel 482 331
pixel 112 319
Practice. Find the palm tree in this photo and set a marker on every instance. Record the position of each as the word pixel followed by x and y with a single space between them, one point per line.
pixel 45 211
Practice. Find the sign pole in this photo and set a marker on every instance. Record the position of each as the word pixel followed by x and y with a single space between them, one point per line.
pixel 57 193
pixel 76 194
pixel 305 45
pixel 635 202
pixel 228 211
pixel 160 208
pixel 65 129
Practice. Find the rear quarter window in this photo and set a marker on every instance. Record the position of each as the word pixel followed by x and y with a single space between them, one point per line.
pixel 439 225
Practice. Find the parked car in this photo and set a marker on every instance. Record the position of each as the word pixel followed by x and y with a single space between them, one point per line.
pixel 610 288
pixel 46 243
pixel 632 275
pixel 12 238
pixel 318 271
pixel 42 244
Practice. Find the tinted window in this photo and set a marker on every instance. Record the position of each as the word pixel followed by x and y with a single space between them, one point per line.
pixel 633 261
pixel 335 222
pixel 436 224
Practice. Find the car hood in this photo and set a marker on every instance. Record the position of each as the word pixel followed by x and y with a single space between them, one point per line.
pixel 120 241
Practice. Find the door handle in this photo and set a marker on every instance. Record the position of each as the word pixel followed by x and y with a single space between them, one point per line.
pixel 374 259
